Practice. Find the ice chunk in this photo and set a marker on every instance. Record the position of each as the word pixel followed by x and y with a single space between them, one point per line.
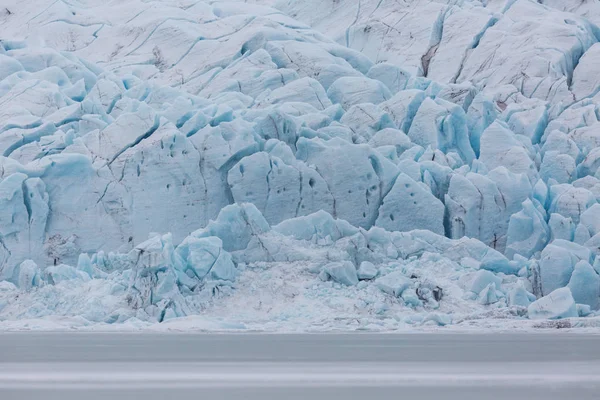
pixel 561 227
pixel 316 226
pixel 559 142
pixel 268 183
pixel 411 298
pixel 582 234
pixel 557 166
pixel 519 296
pixel 391 137
pixel 483 279
pixel 62 272
pixel 410 206
pixel 357 176
pixel 392 76
pixel 403 107
pixel 343 272
pixel 305 90
pixel 202 256
pixel 349 91
pixel 556 305
pixel 460 94
pixel 556 267
pixel 29 275
pixel 364 120
pixel 590 164
pixel 8 66
pixel 590 218
pixel 500 147
pixel 586 138
pixel 367 271
pixel 439 319
pixel 393 283
pixel 23 219
pixel 585 284
pixel 488 295
pixel 585 80
pixel 481 207
pixel 528 118
pixel 528 232
pixel 557 262
pixel 442 125
pixel 293 54
pixel 235 226
pixel 153 278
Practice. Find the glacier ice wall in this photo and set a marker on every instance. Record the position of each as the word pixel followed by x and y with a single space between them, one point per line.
pixel 380 162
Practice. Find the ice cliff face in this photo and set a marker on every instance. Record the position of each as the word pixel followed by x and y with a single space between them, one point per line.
pixel 433 159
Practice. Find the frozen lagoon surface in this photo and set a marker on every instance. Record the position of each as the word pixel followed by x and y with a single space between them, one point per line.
pixel 297 366
pixel 299 165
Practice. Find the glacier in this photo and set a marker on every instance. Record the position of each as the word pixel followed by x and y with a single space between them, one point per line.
pixel 253 163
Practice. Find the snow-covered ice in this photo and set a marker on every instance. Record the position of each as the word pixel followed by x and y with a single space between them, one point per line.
pixel 299 164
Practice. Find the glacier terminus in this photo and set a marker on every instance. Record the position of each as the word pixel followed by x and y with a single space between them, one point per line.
pixel 293 165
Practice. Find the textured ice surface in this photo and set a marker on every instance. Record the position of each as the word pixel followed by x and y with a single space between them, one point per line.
pixel 376 163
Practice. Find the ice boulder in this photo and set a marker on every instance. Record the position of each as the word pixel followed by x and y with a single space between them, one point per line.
pixel 461 94
pixel 411 298
pixel 393 283
pixel 153 277
pixel 84 263
pixel 411 205
pixel 482 280
pixel 585 284
pixel 519 296
pixel 367 271
pixel 556 305
pixel 317 226
pixel 438 319
pixel 29 275
pixel 235 225
pixel 528 231
pixel 442 125
pixel 391 137
pixel 570 201
pixel 557 166
pixel 583 310
pixel 590 164
pixel 305 90
pixel 403 107
pixel 582 234
pixel 560 227
pixel 268 183
pixel 392 76
pixel 203 256
pixel 350 90
pixel 357 176
pixel 343 272
pixel 559 142
pixel 8 66
pixel 62 272
pixel 590 218
pixel 585 79
pixel 557 262
pixel 480 206
pixel 23 221
pixel 489 295
pixel 365 120
pixel 501 147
